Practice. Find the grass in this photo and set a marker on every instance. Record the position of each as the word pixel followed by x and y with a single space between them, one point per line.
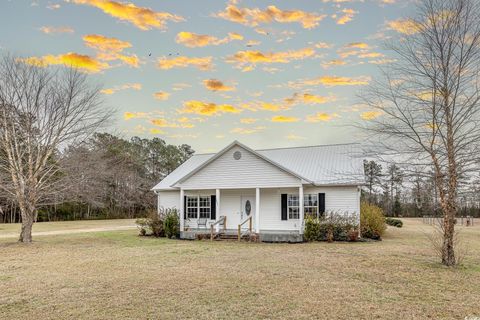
pixel 118 275
pixel 13 229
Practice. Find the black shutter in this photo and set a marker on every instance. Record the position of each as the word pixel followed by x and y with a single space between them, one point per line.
pixel 284 206
pixel 213 207
pixel 321 204
pixel 185 207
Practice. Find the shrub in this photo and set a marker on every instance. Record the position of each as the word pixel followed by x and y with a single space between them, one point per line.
pixel 372 221
pixel 142 225
pixel 312 229
pixel 394 222
pixel 337 226
pixel 152 225
pixel 171 223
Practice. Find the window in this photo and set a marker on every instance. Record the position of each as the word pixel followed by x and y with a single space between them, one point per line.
pixel 310 205
pixel 198 207
pixel 293 206
pixel 204 207
pixel 192 207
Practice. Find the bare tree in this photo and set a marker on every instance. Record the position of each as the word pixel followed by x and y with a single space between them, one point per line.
pixel 41 110
pixel 430 100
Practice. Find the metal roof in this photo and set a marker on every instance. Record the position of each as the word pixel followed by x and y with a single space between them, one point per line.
pixel 339 164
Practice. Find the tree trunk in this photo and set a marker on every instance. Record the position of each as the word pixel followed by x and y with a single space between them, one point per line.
pixel 28 216
pixel 448 253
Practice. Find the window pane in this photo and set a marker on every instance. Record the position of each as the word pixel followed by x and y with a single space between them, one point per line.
pixel 293 213
pixel 310 200
pixel 192 207
pixel 311 212
pixel 205 213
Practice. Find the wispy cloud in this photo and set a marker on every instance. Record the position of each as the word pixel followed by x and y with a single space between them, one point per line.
pixel 141 17
pixel 109 49
pixel 370 115
pixel 216 85
pixel 161 95
pixel 284 119
pixel 204 63
pixel 193 40
pixel 71 59
pixel 346 15
pixel 331 81
pixel 247 130
pixel 56 30
pixel 321 116
pixel 255 16
pixel 249 59
pixel 207 108
pixel 134 86
pixel 248 120
pixel 405 26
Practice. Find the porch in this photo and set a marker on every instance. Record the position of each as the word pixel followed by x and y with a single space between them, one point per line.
pixel 241 213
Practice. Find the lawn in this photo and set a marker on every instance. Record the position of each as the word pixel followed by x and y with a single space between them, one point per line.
pixel 118 275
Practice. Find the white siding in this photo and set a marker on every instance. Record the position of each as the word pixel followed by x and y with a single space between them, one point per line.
pixel 271 210
pixel 248 172
pixel 342 199
pixel 169 199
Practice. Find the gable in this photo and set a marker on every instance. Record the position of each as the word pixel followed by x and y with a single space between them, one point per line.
pixel 249 171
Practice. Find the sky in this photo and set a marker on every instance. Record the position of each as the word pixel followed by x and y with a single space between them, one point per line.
pixel 267 73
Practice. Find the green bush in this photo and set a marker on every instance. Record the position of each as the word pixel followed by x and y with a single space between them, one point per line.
pixel 394 222
pixel 372 221
pixel 171 223
pixel 336 226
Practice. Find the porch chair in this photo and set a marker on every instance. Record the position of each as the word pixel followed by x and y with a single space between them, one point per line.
pixel 202 223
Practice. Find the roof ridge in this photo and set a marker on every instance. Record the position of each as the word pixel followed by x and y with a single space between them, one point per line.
pixel 311 146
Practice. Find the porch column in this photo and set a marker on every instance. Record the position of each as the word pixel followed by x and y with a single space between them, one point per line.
pixel 300 199
pixel 217 208
pixel 257 210
pixel 182 210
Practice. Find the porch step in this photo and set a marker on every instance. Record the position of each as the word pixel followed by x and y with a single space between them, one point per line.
pixel 226 237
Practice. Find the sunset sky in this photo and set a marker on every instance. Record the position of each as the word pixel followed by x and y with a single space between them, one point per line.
pixel 267 73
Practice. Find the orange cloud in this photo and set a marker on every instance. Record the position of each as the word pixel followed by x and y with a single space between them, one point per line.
pixel 254 17
pixel 134 86
pixel 370 115
pixel 161 95
pixel 134 115
pixel 331 81
pixel 206 108
pixel 110 49
pixel 216 85
pixel 405 26
pixel 143 18
pixel 163 123
pixel 357 45
pixel 193 40
pixel 321 116
pixel 71 59
pixel 52 30
pixel 284 119
pixel 183 62
pixel 251 58
pixel 335 62
pixel 347 16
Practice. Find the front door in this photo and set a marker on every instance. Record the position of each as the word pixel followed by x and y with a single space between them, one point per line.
pixel 247 210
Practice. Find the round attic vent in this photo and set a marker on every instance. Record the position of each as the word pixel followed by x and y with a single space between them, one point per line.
pixel 237 155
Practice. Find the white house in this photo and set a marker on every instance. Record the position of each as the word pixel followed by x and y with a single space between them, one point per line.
pixel 273 189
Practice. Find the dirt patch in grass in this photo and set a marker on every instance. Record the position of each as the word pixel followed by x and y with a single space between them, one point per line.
pixel 117 275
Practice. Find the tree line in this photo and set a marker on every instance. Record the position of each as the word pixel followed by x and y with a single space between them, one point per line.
pixel 104 177
pixel 405 193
